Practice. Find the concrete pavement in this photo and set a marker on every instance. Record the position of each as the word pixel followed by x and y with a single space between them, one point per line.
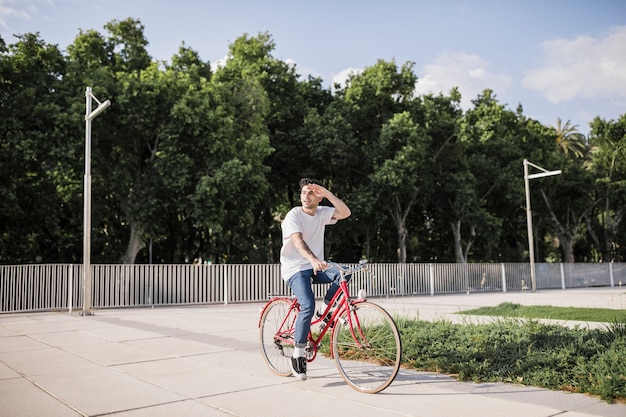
pixel 205 361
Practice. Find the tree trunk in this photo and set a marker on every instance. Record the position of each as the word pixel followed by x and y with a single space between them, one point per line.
pixel 611 221
pixel 135 244
pixel 568 248
pixel 402 234
pixel 399 217
pixel 458 247
pixel 567 233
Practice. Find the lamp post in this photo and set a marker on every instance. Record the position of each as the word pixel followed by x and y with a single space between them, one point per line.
pixel 529 217
pixel 89 116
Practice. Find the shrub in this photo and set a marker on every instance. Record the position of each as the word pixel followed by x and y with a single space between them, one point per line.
pixel 522 351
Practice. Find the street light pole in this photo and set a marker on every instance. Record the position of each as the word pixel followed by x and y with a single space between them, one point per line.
pixel 89 116
pixel 529 217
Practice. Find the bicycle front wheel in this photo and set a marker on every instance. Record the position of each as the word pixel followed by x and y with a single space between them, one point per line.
pixel 366 347
pixel 276 336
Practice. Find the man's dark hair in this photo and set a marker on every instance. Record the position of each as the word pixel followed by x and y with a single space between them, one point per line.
pixel 307 181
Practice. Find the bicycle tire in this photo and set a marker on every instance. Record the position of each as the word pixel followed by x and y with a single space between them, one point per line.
pixel 370 360
pixel 276 336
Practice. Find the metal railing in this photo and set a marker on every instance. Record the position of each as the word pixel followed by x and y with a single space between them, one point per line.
pixel 51 287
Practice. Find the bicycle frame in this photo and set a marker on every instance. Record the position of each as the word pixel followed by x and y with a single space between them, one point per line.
pixel 364 340
pixel 344 304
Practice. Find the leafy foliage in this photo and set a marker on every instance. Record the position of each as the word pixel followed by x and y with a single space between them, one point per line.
pixel 525 352
pixel 198 161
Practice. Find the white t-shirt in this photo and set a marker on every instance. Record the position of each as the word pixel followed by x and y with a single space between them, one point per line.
pixel 312 229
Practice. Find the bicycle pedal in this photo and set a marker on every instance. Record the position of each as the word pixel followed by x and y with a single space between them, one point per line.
pixel 309 351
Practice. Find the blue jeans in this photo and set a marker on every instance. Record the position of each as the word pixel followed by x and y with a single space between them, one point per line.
pixel 300 284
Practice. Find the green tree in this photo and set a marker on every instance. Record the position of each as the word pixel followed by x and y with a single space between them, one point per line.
pixel 203 164
pixel 488 200
pixel 400 181
pixel 328 151
pixel 439 115
pixel 483 155
pixel 607 226
pixel 127 45
pixel 377 94
pixel 569 140
pixel 187 61
pixel 143 121
pixel 241 181
pixel 570 202
pixel 572 198
pixel 123 137
pixel 370 100
pixel 35 218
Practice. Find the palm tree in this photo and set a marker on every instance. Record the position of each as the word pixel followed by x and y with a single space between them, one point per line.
pixel 570 140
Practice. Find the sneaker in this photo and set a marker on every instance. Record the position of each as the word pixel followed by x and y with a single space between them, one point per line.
pixel 318 314
pixel 298 368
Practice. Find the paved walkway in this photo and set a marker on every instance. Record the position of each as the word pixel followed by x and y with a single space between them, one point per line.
pixel 205 361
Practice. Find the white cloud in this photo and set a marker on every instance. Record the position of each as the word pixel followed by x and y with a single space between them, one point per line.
pixel 584 67
pixel 342 76
pixel 469 73
pixel 219 63
pixel 302 71
pixel 13 10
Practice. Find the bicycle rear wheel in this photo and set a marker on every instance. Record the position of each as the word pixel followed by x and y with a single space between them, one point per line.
pixel 367 348
pixel 276 336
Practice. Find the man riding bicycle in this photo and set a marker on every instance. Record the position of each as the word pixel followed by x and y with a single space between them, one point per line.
pixel 302 258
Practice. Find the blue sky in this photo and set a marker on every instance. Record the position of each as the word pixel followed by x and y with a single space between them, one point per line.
pixel 558 58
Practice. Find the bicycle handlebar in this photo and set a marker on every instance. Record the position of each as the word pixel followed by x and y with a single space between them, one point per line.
pixel 345 270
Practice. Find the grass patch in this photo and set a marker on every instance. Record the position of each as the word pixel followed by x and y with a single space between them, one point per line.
pixel 602 315
pixel 526 351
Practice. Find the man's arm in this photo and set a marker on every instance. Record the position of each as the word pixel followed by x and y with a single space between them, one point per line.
pixel 304 250
pixel 342 210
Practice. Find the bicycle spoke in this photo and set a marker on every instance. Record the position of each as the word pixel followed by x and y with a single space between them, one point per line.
pixel 367 348
pixel 276 336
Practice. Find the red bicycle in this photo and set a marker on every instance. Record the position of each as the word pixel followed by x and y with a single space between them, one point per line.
pixel 364 339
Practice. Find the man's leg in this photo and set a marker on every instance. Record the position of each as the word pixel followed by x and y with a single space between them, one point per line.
pixel 330 275
pixel 300 284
